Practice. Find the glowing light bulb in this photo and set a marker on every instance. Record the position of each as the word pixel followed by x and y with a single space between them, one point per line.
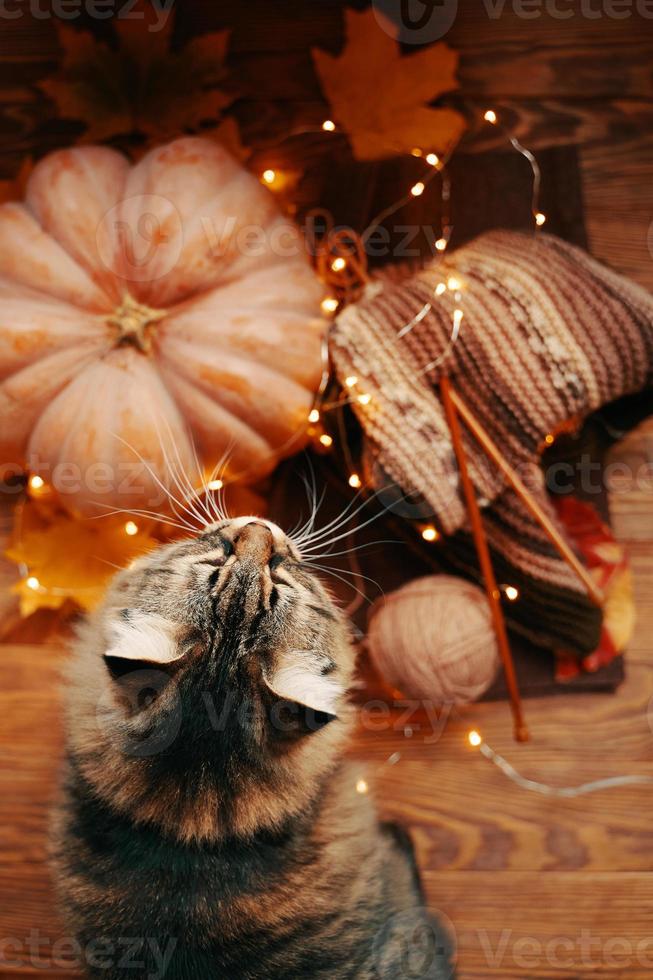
pixel 433 159
pixel 549 439
pixel 430 534
pixel 36 482
pixel 458 318
pixel 314 415
pixel 215 484
pixel 490 116
pixel 326 440
pixel 269 176
pixel 329 304
pixel 328 125
pixel 512 593
pixel 131 528
pixel 441 244
pixel 540 219
pixel 474 739
pixel 351 380
pixel 440 288
pixel 453 284
pixel 33 583
pixel 364 399
pixel 416 152
pixel 361 787
pixel 417 189
pixel 338 264
pixel 355 481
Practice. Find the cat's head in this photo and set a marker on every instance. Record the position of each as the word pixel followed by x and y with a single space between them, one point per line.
pixel 209 691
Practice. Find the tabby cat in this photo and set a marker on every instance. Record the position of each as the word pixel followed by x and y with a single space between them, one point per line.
pixel 210 826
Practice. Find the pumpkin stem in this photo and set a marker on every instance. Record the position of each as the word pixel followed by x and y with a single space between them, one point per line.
pixel 134 321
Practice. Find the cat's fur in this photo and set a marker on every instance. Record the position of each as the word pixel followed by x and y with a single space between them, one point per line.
pixel 209 825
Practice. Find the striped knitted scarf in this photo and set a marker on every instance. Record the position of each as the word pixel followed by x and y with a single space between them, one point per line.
pixel 548 335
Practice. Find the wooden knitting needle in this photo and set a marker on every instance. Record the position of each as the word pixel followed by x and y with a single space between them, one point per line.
pixel 483 552
pixel 522 491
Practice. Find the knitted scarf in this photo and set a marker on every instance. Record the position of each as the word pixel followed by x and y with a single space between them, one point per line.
pixel 548 335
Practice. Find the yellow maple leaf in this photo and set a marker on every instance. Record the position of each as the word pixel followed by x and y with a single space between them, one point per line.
pixel 65 559
pixel 380 97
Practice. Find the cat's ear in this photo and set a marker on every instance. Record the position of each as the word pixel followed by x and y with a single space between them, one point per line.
pixel 138 640
pixel 302 694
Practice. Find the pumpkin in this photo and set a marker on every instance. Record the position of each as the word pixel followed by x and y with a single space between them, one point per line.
pixel 151 314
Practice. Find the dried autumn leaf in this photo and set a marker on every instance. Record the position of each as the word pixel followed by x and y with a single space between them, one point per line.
pixel 142 86
pixel 380 97
pixel 69 559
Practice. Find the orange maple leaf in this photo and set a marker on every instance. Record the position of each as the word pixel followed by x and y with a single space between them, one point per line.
pixel 380 97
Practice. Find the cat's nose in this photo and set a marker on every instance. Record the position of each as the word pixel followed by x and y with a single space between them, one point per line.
pixel 254 543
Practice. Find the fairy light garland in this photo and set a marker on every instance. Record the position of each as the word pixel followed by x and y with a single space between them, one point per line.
pixel 346 268
pixel 563 792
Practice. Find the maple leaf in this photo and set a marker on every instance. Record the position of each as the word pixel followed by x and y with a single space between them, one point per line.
pixel 380 97
pixel 67 559
pixel 141 86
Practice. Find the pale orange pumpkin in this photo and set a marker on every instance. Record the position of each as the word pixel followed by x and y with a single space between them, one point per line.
pixel 141 303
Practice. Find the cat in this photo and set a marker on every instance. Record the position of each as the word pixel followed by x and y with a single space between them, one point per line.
pixel 209 824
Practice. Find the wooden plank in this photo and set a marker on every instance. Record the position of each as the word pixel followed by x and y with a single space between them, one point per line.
pixel 559 925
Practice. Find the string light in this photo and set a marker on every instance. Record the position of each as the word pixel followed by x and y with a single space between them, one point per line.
pixel 416 152
pixel 430 533
pixel 568 792
pixel 328 125
pixel 433 159
pixel 326 440
pixel 36 482
pixel 361 786
pixel 453 284
pixel 131 528
pixel 338 264
pixel 215 484
pixel 441 287
pixel 540 219
pixel 351 381
pixel 314 415
pixel 269 176
pixel 417 188
pixel 33 583
pixel 511 592
pixel 364 399
pixel 490 116
pixel 355 481
pixel 549 439
pixel 441 245
pixel 329 304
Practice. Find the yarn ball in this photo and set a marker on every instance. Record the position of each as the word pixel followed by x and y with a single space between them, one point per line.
pixel 433 638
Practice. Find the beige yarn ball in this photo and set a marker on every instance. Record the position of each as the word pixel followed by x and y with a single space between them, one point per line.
pixel 433 638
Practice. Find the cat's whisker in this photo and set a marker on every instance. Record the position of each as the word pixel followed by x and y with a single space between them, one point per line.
pixel 341 519
pixel 348 551
pixel 187 490
pixel 150 514
pixel 171 497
